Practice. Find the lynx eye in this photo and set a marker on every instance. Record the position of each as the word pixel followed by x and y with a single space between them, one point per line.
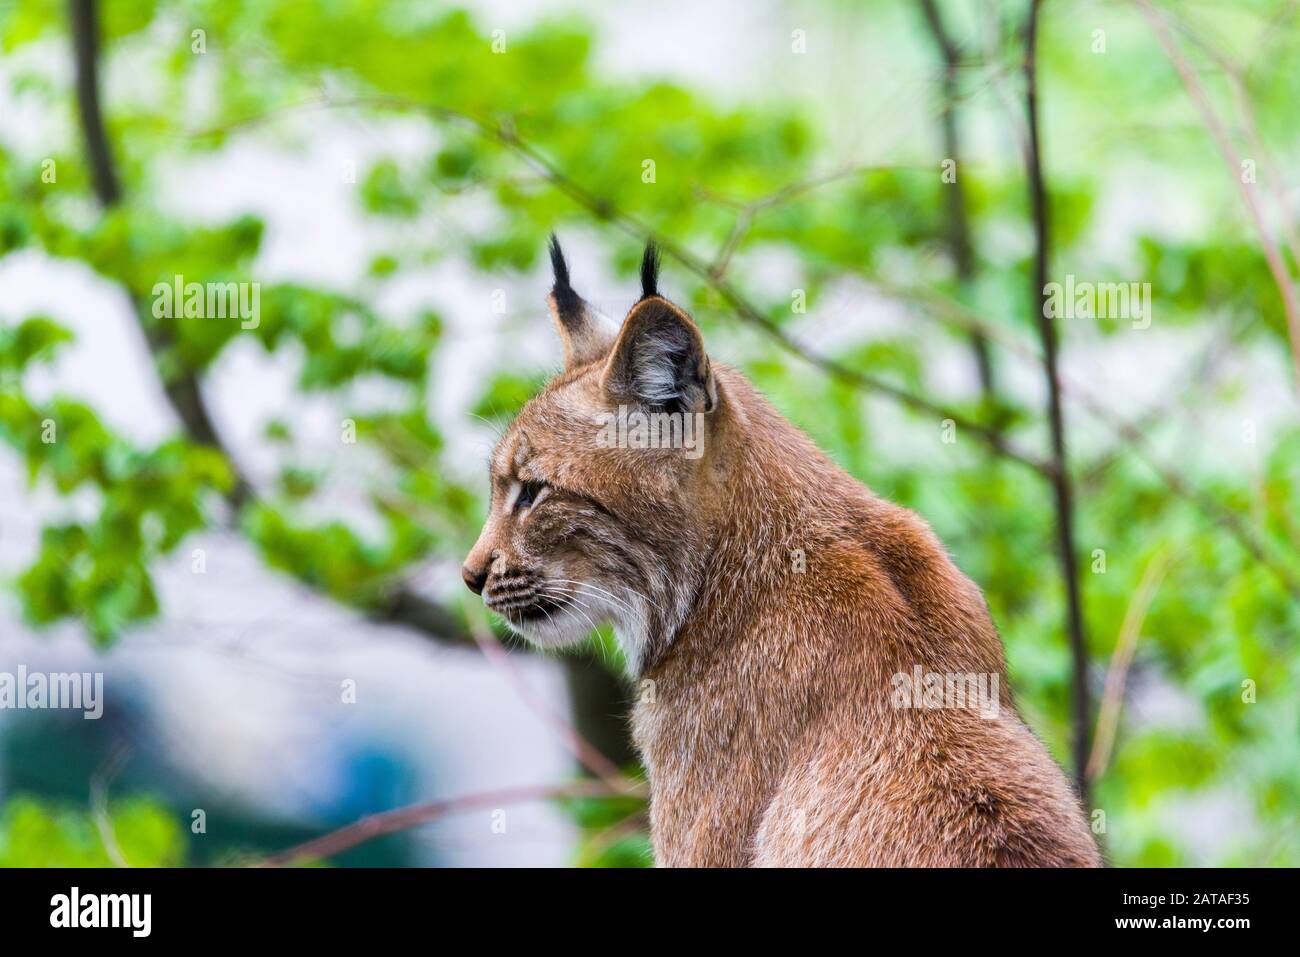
pixel 528 494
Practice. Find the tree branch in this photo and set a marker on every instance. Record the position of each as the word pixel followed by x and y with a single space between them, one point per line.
pixel 598 715
pixel 404 818
pixel 1272 255
pixel 588 756
pixel 740 306
pixel 751 314
pixel 1122 659
pixel 85 40
pixel 1128 434
pixel 183 390
pixel 960 244
pixel 746 311
pixel 1241 96
pixel 1061 482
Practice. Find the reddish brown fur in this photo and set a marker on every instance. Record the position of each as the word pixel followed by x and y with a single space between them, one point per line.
pixel 764 714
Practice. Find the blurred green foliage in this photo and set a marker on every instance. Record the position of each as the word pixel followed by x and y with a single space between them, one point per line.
pixel 1219 617
pixel 134 832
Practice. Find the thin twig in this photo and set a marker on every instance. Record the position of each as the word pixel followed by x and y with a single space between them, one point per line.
pixel 635 821
pixel 397 604
pixel 1062 488
pixel 404 818
pixel 584 751
pixel 400 605
pixel 747 212
pixel 960 243
pixel 1117 676
pixel 1200 375
pixel 1241 96
pixel 1196 90
pixel 99 784
pixel 1127 433
pixel 749 313
pixel 740 306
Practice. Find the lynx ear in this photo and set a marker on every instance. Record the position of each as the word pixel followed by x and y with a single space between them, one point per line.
pixel 659 360
pixel 585 334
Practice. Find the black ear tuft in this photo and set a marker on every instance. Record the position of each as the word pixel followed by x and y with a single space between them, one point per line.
pixel 567 302
pixel 584 333
pixel 650 271
pixel 558 265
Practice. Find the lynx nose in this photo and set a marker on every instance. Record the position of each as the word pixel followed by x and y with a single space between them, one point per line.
pixel 474 580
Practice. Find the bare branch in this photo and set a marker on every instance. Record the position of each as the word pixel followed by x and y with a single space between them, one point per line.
pixel 1122 658
pixel 1062 488
pixel 396 603
pixel 740 306
pixel 99 784
pixel 747 212
pixel 745 310
pixel 960 244
pixel 183 390
pixel 85 40
pixel 588 756
pixel 1196 90
pixel 404 818
pixel 1241 97
pixel 1200 375
pixel 1128 434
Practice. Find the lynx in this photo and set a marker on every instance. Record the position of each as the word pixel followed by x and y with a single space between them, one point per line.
pixel 772 603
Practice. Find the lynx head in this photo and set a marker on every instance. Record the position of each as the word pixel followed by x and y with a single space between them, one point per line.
pixel 598 486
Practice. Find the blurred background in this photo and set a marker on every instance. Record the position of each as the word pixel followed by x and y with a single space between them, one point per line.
pixel 253 529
